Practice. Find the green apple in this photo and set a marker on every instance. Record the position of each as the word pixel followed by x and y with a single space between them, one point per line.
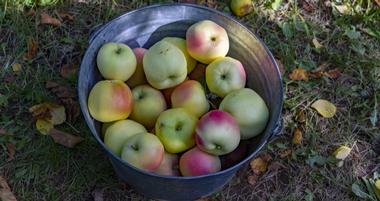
pixel 191 96
pixel 249 110
pixel 117 134
pixel 225 75
pixel 175 128
pixel 181 44
pixel 116 61
pixel 144 151
pixel 105 127
pixel 164 65
pixel 148 104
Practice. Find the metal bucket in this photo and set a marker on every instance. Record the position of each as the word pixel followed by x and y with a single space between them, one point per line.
pixel 142 28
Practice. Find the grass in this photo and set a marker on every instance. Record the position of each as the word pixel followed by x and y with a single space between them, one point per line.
pixel 350 41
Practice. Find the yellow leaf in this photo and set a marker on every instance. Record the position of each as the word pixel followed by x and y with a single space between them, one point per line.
pixel 342 152
pixel 299 74
pixel 324 108
pixel 297 136
pixel 16 67
pixel 58 114
pixel 258 165
pixel 47 19
pixel 44 126
pixel 317 44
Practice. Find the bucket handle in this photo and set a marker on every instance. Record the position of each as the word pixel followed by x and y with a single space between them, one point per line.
pixel 278 129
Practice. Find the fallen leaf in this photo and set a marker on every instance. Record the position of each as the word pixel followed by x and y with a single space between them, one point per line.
pixel 377 183
pixel 11 148
pixel 281 66
pixel 51 112
pixel 299 74
pixel 65 139
pixel 300 116
pixel 98 194
pixel 32 48
pixel 324 108
pixel 342 9
pixel 47 19
pixel 72 109
pixel 30 13
pixel 68 70
pixel 16 67
pixel 66 15
pixel 258 165
pixel 316 43
pixel 252 179
pixel 342 152
pixel 5 191
pixel 284 153
pixel 297 136
pixel 44 126
pixel 340 163
pixel 334 73
pixel 377 2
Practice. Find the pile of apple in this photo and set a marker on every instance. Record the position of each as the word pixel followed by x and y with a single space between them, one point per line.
pixel 164 124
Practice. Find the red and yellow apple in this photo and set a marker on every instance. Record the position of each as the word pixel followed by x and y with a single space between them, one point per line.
pixel 118 133
pixel 148 104
pixel 225 75
pixel 138 78
pixel 110 100
pixel 116 61
pixel 190 96
pixel 169 165
pixel 168 94
pixel 207 41
pixel 175 128
pixel 249 110
pixel 144 151
pixel 196 162
pixel 217 133
pixel 181 44
pixel 164 65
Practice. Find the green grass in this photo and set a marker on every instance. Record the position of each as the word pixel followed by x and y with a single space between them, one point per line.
pixel 43 170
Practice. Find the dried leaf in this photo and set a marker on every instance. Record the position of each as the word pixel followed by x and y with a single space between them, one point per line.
pixel 66 15
pixel 334 73
pixel 11 148
pixel 342 152
pixel 299 74
pixel 284 153
pixel 5 191
pixel 300 116
pixel 72 109
pixel 258 166
pixel 324 108
pixel 44 126
pixel 252 179
pixel 65 139
pixel 98 194
pixel 16 67
pixel 32 46
pixel 297 136
pixel 47 19
pixel 316 43
pixel 377 2
pixel 30 13
pixel 50 112
pixel 281 66
pixel 68 70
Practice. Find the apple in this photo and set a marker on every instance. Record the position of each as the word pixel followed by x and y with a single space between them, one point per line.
pixel 225 75
pixel 191 96
pixel 236 156
pixel 164 65
pixel 116 61
pixel 241 7
pixel 169 165
pixel 110 100
pixel 148 104
pixel 175 128
pixel 117 134
pixel 196 162
pixel 105 127
pixel 249 110
pixel 168 93
pixel 181 44
pixel 217 133
pixel 198 73
pixel 207 41
pixel 138 78
pixel 144 151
